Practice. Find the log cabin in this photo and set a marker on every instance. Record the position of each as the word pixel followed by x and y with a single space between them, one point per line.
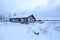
pixel 24 20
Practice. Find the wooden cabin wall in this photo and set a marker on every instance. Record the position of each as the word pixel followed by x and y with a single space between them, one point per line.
pixel 13 20
pixel 31 19
pixel 21 20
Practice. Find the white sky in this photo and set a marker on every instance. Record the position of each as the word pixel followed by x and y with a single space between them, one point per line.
pixel 27 4
pixel 30 4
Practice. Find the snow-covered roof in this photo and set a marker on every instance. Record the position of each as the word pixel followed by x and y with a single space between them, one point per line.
pixel 20 15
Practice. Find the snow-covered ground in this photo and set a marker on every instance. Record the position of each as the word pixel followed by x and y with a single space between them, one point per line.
pixel 32 31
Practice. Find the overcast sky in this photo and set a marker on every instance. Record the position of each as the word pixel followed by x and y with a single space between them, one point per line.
pixel 23 4
pixel 45 8
pixel 50 6
pixel 27 4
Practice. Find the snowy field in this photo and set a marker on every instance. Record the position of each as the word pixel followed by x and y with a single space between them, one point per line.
pixel 32 31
